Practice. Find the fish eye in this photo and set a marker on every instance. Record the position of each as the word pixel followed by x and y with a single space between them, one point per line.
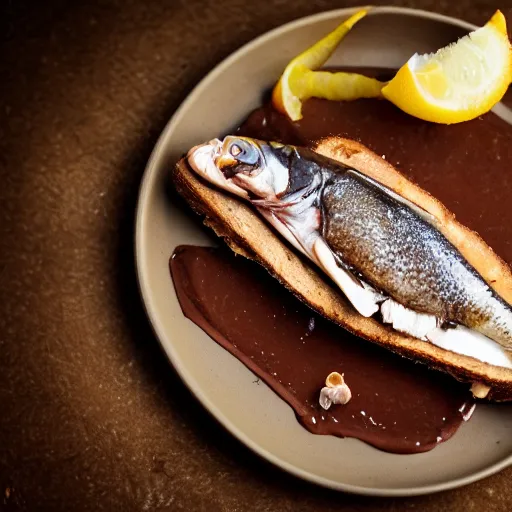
pixel 244 152
pixel 235 150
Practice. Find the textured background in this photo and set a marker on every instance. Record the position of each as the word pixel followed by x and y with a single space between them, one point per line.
pixel 92 417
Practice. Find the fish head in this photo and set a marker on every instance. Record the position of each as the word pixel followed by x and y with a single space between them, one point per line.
pixel 242 166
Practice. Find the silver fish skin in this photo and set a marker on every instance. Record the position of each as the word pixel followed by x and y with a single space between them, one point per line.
pixel 397 251
pixel 327 210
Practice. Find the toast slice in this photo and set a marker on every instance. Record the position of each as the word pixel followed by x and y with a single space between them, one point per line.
pixel 247 234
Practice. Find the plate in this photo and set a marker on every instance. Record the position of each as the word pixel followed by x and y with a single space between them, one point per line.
pixel 255 414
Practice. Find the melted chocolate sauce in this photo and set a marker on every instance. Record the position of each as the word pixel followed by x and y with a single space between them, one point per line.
pixel 396 406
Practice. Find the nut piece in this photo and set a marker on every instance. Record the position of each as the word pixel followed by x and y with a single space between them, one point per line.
pixel 480 390
pixel 335 391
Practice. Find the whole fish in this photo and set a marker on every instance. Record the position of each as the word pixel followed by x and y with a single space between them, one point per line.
pixel 384 252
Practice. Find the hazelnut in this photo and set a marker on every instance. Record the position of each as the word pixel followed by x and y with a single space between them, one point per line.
pixel 335 391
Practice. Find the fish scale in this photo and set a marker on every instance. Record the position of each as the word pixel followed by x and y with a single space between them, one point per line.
pixel 404 256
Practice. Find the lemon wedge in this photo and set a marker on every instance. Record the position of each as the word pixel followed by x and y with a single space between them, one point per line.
pixel 301 80
pixel 459 82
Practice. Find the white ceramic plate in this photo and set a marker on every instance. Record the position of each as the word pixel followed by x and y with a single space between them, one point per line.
pixel 254 414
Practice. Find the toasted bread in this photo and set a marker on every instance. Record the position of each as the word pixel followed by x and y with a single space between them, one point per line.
pixel 249 235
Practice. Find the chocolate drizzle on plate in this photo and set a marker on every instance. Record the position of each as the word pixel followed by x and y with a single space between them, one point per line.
pixel 396 406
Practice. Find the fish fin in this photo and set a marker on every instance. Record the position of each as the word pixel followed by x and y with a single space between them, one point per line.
pixel 379 297
pixel 417 209
pixel 363 299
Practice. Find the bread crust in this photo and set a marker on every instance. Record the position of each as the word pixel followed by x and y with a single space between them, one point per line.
pixel 247 234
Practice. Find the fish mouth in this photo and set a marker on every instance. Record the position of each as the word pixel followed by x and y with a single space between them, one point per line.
pixel 203 161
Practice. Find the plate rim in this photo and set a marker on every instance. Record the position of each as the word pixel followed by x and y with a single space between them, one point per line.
pixel 149 176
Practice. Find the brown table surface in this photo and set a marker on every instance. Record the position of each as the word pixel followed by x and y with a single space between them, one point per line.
pixel 92 417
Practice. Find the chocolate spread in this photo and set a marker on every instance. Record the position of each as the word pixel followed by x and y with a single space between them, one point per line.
pixel 396 406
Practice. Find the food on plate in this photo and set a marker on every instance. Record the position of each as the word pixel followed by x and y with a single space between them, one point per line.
pixel 388 246
pixel 302 79
pixel 335 391
pixel 457 83
pixel 300 188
